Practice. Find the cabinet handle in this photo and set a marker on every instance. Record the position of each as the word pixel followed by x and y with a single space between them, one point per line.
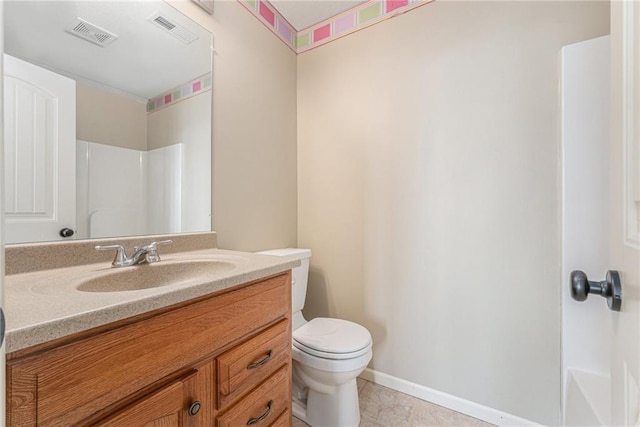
pixel 194 408
pixel 253 421
pixel 254 365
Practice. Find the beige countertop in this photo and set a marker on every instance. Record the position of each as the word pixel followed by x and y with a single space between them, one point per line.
pixel 45 305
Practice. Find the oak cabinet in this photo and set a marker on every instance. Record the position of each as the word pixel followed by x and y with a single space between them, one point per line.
pixel 220 360
pixel 163 407
pixel 265 402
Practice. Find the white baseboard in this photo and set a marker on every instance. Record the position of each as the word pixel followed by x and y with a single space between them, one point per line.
pixel 449 401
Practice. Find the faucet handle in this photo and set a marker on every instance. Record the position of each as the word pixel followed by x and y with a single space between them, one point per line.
pixel 152 254
pixel 121 256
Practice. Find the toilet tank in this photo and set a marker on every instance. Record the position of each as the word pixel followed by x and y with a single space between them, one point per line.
pixel 299 275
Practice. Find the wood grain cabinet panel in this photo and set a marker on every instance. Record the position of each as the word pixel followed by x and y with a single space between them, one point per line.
pixel 262 406
pixel 162 408
pixel 248 364
pixel 149 372
pixel 283 420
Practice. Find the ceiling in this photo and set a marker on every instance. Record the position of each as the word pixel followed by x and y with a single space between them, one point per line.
pixel 302 14
pixel 143 61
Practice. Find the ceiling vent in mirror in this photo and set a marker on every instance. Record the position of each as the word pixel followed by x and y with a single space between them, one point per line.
pixel 90 32
pixel 177 31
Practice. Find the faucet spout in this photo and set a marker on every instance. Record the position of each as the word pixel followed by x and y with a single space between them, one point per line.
pixel 146 254
pixel 139 255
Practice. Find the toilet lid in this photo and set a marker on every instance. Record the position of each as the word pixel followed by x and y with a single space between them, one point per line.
pixel 336 336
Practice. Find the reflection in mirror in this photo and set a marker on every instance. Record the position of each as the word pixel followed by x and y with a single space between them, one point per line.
pixel 107 120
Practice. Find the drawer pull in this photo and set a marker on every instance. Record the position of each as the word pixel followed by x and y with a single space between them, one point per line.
pixel 254 365
pixel 194 408
pixel 253 421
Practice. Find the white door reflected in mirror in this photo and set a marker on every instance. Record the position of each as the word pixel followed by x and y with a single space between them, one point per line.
pixel 39 140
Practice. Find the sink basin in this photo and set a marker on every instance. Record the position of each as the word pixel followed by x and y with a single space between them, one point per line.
pixel 146 276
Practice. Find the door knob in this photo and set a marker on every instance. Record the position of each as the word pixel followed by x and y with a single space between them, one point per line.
pixel 610 288
pixel 66 232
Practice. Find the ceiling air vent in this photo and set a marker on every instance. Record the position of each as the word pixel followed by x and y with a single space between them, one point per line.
pixel 177 31
pixel 87 31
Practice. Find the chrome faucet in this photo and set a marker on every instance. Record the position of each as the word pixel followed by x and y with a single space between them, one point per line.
pixel 147 253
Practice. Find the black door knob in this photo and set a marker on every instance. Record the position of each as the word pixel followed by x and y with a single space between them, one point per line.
pixel 579 286
pixel 610 288
pixel 66 232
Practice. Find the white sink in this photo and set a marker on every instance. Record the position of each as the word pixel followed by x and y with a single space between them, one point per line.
pixel 147 276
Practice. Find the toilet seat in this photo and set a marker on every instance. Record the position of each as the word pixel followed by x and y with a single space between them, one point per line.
pixel 332 365
pixel 333 339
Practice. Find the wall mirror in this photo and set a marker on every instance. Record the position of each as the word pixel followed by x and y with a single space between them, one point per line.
pixel 107 120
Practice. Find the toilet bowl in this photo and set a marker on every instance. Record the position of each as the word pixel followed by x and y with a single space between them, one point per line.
pixel 328 354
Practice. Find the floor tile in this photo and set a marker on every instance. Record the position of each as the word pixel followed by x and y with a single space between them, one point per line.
pixel 382 407
pixel 297 423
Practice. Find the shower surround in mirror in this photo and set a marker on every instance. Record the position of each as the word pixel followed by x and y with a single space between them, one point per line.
pixel 162 187
pixel 145 197
pixel 153 175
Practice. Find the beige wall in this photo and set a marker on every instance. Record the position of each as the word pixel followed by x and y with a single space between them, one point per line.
pixel 108 118
pixel 183 121
pixel 428 188
pixel 254 130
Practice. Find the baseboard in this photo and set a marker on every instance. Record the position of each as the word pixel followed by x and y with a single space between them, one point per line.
pixel 439 398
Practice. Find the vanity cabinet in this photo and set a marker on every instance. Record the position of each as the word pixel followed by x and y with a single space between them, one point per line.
pixel 220 360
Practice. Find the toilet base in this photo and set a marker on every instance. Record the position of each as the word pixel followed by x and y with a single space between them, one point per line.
pixel 339 409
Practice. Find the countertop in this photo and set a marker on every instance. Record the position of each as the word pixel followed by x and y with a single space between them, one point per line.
pixel 44 305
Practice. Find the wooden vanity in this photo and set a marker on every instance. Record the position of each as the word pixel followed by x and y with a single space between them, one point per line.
pixel 222 359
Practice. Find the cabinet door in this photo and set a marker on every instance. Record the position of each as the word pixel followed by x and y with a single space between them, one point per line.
pixel 174 405
pixel 160 409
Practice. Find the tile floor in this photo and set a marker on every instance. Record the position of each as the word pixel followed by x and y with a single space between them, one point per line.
pixel 383 407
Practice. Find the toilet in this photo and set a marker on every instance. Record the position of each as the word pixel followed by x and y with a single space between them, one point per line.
pixel 328 355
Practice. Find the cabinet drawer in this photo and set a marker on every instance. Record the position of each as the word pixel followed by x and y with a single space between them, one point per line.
pixel 263 405
pixel 283 420
pixel 68 384
pixel 248 364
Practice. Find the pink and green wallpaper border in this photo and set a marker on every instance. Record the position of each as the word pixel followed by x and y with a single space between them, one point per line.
pixel 364 15
pixel 187 90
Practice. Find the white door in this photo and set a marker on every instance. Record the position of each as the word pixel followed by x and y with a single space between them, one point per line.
pixel 39 150
pixel 625 209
